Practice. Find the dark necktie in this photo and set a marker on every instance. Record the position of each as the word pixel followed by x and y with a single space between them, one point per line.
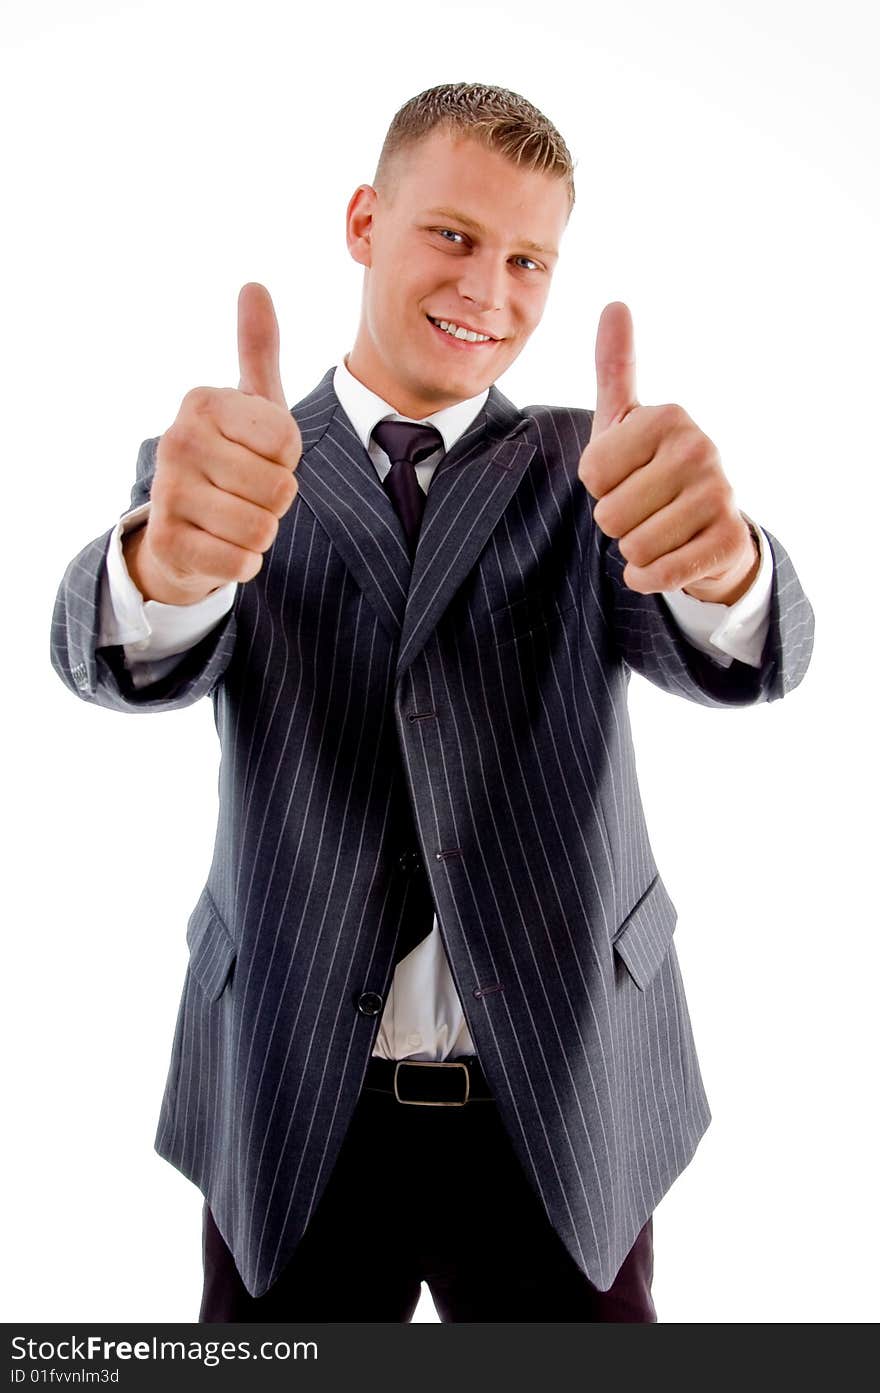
pixel 405 443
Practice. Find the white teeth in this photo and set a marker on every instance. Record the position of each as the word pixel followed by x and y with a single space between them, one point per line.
pixel 458 333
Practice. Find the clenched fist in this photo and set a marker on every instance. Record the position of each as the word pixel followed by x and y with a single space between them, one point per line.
pixel 225 474
pixel 660 486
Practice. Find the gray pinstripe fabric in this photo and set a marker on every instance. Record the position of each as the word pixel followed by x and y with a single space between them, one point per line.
pixel 498 687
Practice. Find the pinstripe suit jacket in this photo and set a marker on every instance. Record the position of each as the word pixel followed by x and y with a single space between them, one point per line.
pixel 489 689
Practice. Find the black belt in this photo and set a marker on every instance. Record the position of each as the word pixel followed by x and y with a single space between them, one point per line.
pixel 448 1082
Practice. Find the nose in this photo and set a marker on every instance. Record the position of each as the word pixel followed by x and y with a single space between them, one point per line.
pixel 481 283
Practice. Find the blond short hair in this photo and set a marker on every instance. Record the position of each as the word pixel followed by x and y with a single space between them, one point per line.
pixel 501 120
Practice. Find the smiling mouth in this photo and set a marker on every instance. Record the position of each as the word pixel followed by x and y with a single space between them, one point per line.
pixel 457 341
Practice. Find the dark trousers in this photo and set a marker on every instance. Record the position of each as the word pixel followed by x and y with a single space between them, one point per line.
pixel 432 1194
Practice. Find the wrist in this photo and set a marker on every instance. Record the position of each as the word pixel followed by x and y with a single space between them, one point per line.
pixel 148 578
pixel 727 589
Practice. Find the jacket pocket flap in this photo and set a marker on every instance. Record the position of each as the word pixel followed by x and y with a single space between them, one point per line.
pixel 646 933
pixel 211 949
pixel 529 614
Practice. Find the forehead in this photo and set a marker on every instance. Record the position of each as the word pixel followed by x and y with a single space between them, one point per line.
pixel 447 174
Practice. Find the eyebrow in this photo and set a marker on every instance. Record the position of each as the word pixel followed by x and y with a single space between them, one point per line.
pixel 478 227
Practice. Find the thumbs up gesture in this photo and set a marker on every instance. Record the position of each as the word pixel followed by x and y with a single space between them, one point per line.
pixel 659 484
pixel 225 474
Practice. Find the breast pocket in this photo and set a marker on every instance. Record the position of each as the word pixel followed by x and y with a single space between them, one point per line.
pixel 529 615
pixel 642 940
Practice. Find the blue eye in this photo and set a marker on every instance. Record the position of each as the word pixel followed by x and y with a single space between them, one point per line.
pixel 453 233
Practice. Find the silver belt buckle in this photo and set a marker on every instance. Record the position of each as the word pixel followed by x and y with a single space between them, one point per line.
pixel 433 1064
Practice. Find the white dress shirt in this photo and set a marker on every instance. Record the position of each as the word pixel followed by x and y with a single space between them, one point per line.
pixel 423 1016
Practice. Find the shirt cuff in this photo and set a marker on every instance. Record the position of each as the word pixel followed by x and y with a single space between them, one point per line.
pixel 725 632
pixel 147 629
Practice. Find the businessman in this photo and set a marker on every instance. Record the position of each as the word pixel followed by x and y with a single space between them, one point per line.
pixel 433 1025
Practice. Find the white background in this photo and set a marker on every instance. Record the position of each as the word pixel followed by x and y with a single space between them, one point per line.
pixel 159 155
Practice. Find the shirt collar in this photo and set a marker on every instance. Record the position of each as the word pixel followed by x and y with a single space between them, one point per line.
pixel 365 409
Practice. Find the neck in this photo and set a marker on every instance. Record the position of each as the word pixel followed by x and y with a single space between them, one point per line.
pixel 397 396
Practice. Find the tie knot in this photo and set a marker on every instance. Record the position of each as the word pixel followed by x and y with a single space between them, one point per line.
pixel 406 440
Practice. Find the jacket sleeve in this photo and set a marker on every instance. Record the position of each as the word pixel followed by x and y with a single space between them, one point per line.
pixel 651 643
pixel 100 675
pixel 647 638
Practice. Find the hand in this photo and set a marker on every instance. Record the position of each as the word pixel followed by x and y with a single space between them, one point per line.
pixel 225 473
pixel 659 484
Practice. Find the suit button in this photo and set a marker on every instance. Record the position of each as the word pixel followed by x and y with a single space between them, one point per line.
pixel 369 1003
pixel 410 861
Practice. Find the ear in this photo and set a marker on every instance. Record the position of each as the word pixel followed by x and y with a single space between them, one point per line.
pixel 359 223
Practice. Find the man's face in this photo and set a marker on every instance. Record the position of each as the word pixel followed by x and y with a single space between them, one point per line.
pixel 469 238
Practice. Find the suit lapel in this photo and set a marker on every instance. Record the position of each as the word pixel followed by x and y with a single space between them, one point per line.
pixel 469 490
